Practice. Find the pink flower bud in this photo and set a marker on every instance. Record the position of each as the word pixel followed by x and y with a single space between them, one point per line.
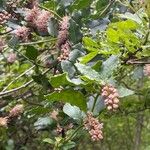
pixel 147 70
pixel 11 58
pixel 42 21
pixel 94 127
pixel 16 111
pixel 3 122
pixel 2 44
pixel 111 99
pixel 116 100
pixel 22 33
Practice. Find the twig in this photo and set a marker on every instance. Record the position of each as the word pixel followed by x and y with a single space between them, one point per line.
pixel 107 8
pixel 6 32
pixel 7 93
pixel 51 12
pixel 18 78
pixel 95 100
pixel 37 42
pixel 137 62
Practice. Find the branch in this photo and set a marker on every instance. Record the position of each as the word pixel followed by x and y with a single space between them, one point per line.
pixel 107 8
pixel 10 92
pixel 37 42
pixel 132 61
pixel 51 11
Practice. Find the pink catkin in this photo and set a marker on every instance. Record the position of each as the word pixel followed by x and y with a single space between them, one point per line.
pixel 65 51
pixel 2 44
pixel 54 114
pixel 38 18
pixel 4 17
pixel 63 42
pixel 31 15
pixel 42 21
pixel 3 122
pixel 110 95
pixel 94 127
pixel 64 24
pixel 16 111
pixel 146 70
pixel 22 33
pixel 11 58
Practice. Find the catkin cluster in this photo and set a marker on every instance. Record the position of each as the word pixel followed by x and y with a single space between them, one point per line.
pixel 2 44
pixel 147 70
pixel 94 127
pixel 110 95
pixel 38 19
pixel 4 17
pixel 14 112
pixel 11 58
pixel 22 33
pixel 63 42
pixel 3 122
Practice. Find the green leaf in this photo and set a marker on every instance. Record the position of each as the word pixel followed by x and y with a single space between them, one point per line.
pixel 112 35
pixel 88 57
pixel 60 80
pixel 31 52
pixel 42 123
pixel 88 72
pixel 53 27
pixel 109 66
pixel 68 67
pixel 74 32
pixel 74 55
pixel 131 16
pixel 123 92
pixel 97 66
pixel 90 42
pixel 70 96
pixel 48 140
pixel 80 4
pixel 63 79
pixel 73 112
pixel 68 145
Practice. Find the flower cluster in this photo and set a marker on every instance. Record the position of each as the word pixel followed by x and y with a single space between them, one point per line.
pixel 31 15
pixel 54 114
pixel 22 33
pixel 63 42
pixel 147 70
pixel 16 111
pixel 110 96
pixel 3 122
pixel 2 44
pixel 94 127
pixel 38 18
pixel 42 21
pixel 12 3
pixel 11 58
pixel 65 51
pixel 4 17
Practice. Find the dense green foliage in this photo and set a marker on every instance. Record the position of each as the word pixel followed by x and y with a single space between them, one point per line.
pixel 109 44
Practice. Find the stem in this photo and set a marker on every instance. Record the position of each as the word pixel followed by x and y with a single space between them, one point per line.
pixel 107 8
pixel 95 100
pixel 51 12
pixel 6 93
pixel 72 135
pixel 37 42
pixel 18 78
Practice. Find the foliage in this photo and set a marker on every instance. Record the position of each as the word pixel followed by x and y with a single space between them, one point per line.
pixel 57 59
